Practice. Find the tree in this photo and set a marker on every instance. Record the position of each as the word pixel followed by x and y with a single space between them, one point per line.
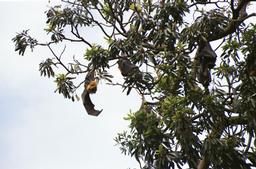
pixel 192 62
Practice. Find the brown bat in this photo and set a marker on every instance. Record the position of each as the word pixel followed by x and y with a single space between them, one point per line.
pixel 90 87
pixel 125 66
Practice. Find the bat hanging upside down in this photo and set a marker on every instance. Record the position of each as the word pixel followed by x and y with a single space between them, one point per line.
pixel 207 58
pixel 90 87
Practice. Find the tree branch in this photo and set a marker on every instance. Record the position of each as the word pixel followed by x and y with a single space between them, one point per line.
pixel 60 62
pixel 81 39
pixel 203 164
pixel 117 19
pixel 248 144
pixel 239 15
pixel 97 23
pixel 233 121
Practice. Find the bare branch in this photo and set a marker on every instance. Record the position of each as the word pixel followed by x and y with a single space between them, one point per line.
pixel 58 58
pixel 98 24
pixel 239 16
pixel 249 143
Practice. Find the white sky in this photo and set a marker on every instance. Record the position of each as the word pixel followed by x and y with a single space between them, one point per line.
pixel 39 129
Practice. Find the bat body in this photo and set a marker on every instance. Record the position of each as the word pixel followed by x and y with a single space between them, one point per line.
pixel 90 87
pixel 207 58
pixel 125 66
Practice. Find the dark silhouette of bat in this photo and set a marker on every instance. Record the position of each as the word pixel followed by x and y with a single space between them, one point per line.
pixel 125 66
pixel 207 58
pixel 251 65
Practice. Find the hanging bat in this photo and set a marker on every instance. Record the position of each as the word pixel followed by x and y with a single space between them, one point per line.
pixel 207 58
pixel 206 55
pixel 134 77
pixel 125 66
pixel 90 87
pixel 251 65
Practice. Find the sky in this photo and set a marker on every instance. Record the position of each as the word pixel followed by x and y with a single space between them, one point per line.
pixel 39 129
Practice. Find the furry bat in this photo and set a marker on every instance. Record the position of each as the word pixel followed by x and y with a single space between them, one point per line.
pixel 207 58
pixel 90 87
pixel 125 66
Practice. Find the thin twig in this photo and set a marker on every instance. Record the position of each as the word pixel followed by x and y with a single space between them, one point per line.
pixel 248 144
pixel 62 52
pixel 60 62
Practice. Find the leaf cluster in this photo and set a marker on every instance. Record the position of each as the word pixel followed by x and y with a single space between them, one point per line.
pixel 22 41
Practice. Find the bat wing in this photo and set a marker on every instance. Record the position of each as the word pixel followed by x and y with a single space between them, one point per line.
pixel 88 105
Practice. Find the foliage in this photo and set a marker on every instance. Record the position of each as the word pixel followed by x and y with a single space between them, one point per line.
pixel 198 110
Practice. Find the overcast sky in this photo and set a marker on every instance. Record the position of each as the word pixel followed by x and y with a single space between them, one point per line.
pixel 39 129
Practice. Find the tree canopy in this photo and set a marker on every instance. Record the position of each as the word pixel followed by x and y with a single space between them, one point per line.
pixel 193 62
